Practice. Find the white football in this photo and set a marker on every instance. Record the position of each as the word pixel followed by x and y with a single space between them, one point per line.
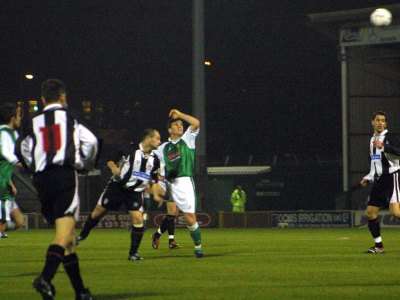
pixel 381 17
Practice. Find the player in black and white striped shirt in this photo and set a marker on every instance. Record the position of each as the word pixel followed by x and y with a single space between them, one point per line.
pixel 384 172
pixel 131 173
pixel 53 148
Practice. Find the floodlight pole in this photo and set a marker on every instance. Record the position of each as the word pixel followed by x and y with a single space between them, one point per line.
pixel 198 78
pixel 345 127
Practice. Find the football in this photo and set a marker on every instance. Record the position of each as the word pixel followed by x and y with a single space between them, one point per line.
pixel 381 17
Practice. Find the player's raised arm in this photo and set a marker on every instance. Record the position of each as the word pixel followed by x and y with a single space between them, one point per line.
pixel 176 114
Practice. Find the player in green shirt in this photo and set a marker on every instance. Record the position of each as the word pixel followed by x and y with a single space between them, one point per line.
pixel 178 156
pixel 10 214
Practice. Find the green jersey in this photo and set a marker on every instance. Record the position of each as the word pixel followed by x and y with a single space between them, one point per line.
pixel 8 136
pixel 178 156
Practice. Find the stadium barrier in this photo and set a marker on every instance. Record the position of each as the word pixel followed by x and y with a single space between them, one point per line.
pixel 385 218
pixel 252 219
pixel 154 219
pixel 312 219
pixel 302 219
pixel 244 220
pixel 283 219
pixel 31 221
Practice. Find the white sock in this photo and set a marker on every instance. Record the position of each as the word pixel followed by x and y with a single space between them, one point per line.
pixel 10 225
pixel 194 227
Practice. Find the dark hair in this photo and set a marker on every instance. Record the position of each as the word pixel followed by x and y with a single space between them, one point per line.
pixel 379 112
pixel 52 90
pixel 170 121
pixel 149 132
pixel 7 111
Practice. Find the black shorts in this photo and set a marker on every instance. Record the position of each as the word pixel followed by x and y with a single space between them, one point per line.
pixel 385 190
pixel 115 195
pixel 57 189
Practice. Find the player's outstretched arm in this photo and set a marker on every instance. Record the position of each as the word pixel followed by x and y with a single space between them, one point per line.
pixel 176 114
pixel 114 168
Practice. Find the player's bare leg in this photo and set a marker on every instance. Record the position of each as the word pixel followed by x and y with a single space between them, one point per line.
pixel 168 223
pixel 3 235
pixel 92 221
pixel 18 219
pixel 395 209
pixel 375 229
pixel 136 234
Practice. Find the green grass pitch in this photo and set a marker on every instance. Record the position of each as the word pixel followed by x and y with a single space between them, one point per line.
pixel 238 264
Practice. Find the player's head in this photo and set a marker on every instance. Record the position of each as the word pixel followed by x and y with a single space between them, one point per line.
pixel 54 91
pixel 152 138
pixel 175 127
pixel 379 122
pixel 10 114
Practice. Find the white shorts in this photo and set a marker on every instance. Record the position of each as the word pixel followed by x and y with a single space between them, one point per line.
pixel 183 193
pixel 6 207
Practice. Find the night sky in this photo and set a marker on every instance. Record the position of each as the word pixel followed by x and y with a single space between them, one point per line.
pixel 274 84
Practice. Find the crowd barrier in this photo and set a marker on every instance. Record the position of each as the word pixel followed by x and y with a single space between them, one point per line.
pixel 252 219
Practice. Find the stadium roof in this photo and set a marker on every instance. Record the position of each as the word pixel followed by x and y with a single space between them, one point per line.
pixel 238 170
pixel 328 23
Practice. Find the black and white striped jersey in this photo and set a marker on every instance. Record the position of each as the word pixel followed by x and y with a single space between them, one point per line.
pixel 55 138
pixel 385 160
pixel 137 169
